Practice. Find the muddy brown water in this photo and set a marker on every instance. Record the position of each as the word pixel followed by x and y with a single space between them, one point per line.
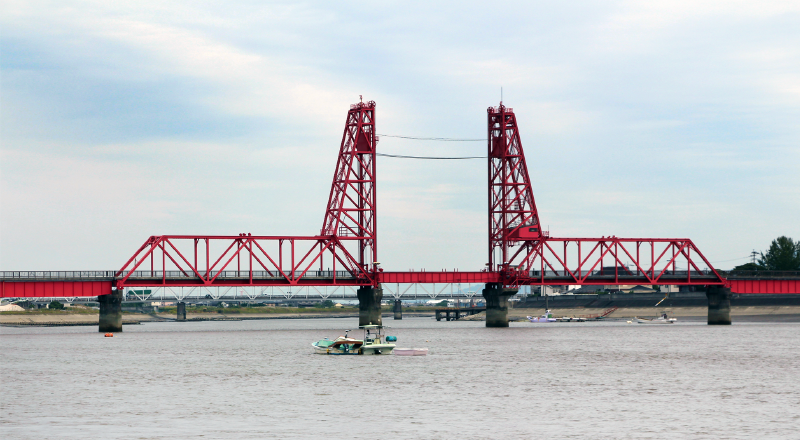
pixel 259 379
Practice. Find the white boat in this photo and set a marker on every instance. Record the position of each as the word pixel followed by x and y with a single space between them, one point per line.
pixel 547 317
pixel 410 351
pixel 571 319
pixel 372 343
pixel 663 319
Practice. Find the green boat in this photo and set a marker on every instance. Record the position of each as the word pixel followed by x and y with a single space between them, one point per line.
pixel 372 343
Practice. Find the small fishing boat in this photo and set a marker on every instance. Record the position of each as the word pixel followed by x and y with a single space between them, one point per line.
pixel 571 319
pixel 547 317
pixel 373 343
pixel 410 351
pixel 663 319
pixel 340 345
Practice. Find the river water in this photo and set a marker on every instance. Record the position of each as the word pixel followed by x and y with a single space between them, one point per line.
pixel 259 379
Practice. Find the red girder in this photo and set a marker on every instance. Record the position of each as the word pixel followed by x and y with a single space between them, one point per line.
pixel 344 253
pixel 53 289
pixel 284 260
pixel 268 261
pixel 526 254
pixel 520 252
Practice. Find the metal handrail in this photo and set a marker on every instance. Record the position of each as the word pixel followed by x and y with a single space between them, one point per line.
pixel 622 273
pixel 170 274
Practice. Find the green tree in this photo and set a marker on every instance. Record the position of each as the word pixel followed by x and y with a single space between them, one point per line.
pixel 748 266
pixel 325 304
pixel 55 305
pixel 783 254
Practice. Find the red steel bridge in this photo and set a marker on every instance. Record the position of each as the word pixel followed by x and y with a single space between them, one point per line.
pixel 345 250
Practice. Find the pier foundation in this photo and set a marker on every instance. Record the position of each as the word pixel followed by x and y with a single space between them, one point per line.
pixel 398 309
pixel 369 305
pixel 181 311
pixel 496 297
pixel 110 312
pixel 719 305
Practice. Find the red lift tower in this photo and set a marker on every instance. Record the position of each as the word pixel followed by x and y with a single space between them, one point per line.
pixel 524 253
pixel 343 254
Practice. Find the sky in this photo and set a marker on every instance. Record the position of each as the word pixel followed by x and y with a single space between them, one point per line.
pixel 122 120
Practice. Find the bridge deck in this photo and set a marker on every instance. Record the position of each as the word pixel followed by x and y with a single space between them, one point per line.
pixel 93 283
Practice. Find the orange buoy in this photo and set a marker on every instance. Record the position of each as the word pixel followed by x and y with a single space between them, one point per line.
pixel 109 335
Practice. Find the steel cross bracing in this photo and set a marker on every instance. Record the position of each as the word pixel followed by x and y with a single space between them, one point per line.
pixel 343 253
pixel 512 209
pixel 523 253
pixel 350 214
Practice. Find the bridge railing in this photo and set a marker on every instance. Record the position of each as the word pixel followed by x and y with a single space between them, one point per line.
pixel 621 272
pixel 236 274
pixel 760 274
pixel 70 275
pixel 94 275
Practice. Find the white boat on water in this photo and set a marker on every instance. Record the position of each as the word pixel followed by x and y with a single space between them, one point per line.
pixel 663 319
pixel 571 319
pixel 547 317
pixel 410 351
pixel 373 343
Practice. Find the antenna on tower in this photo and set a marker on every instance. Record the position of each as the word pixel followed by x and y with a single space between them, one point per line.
pixel 501 94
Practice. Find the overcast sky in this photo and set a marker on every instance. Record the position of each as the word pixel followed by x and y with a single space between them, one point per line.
pixel 638 119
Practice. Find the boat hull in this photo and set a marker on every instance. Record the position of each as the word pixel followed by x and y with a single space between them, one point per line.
pixel 541 319
pixel 656 321
pixel 377 349
pixel 373 349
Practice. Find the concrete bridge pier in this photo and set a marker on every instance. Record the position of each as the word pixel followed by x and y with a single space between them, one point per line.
pixel 398 309
pixel 181 311
pixel 719 305
pixel 369 305
pixel 110 312
pixel 496 296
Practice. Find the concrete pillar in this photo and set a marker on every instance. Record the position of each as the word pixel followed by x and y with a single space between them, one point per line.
pixel 369 305
pixel 496 297
pixel 110 312
pixel 719 305
pixel 398 309
pixel 181 311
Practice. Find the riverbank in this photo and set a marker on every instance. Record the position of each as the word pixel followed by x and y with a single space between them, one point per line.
pixel 763 313
pixel 35 318
pixel 744 313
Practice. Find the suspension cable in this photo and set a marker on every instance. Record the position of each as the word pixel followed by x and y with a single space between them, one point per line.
pixel 429 157
pixel 431 138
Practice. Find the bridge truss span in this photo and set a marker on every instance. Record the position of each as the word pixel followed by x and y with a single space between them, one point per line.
pixel 347 241
pixel 174 260
pixel 344 253
pixel 610 260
